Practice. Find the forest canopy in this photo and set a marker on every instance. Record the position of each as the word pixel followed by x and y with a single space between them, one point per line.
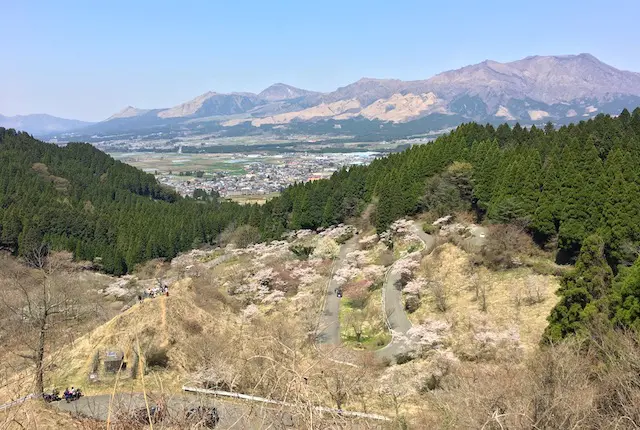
pixel 562 185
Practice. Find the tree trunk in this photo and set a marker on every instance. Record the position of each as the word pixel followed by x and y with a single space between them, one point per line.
pixel 39 360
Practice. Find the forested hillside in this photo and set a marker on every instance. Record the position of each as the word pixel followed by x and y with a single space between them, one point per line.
pixel 79 198
pixel 576 190
pixel 562 185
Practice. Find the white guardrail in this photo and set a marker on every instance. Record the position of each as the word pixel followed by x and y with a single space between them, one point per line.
pixel 281 403
pixel 16 402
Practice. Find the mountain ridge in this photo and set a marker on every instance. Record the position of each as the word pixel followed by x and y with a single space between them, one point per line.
pixel 546 79
pixel 41 123
pixel 536 88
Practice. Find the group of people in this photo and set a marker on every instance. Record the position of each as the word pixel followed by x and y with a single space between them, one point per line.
pixel 72 394
pixel 154 292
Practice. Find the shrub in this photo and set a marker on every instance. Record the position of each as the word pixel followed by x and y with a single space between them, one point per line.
pixel 413 248
pixel 245 235
pixel 504 244
pixel 429 228
pixel 157 357
pixel 403 357
pixel 134 365
pixel 440 295
pixel 411 303
pixel 376 285
pixel 192 326
pixel 344 237
pixel 95 363
pixel 386 258
pixel 301 251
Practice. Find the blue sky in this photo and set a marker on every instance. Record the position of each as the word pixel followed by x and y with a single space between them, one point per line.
pixel 88 59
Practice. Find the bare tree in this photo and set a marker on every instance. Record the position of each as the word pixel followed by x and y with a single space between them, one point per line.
pixel 440 295
pixel 356 320
pixel 534 288
pixel 40 307
pixel 482 296
pixel 342 383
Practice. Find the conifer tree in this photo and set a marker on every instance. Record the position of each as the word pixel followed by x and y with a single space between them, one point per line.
pixel 580 291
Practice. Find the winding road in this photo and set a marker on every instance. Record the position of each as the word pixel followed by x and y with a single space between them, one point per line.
pixel 394 313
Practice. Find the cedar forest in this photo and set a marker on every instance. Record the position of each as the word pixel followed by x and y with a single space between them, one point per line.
pixel 575 189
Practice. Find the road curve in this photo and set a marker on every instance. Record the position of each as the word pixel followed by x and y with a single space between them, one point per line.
pixel 394 311
pixel 329 322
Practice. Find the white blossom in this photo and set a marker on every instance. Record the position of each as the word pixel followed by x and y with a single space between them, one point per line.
pixel 327 248
pixel 250 312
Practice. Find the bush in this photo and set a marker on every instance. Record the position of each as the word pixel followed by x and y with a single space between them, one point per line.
pixel 134 365
pixel 245 235
pixel 403 357
pixel 386 258
pixel 411 303
pixel 376 285
pixel 301 251
pixel 95 364
pixel 192 326
pixel 157 357
pixel 429 228
pixel 504 245
pixel 413 248
pixel 340 240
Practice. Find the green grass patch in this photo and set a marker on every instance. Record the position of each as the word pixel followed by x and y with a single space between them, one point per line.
pixel 367 321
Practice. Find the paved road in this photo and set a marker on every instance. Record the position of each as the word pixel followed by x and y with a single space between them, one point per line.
pixel 393 306
pixel 329 325
pixel 232 415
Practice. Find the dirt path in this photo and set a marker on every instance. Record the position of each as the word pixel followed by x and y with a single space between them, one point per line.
pixel 329 325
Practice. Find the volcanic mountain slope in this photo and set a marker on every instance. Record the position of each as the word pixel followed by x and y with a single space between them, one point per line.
pixel 280 91
pixel 532 90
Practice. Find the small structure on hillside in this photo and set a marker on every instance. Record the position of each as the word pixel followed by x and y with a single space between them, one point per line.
pixel 113 361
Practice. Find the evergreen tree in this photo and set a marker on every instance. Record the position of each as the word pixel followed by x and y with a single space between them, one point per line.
pixel 580 291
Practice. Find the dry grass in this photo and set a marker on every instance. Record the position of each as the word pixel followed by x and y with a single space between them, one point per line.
pixel 36 415
pixel 507 293
pixel 573 385
pixel 160 323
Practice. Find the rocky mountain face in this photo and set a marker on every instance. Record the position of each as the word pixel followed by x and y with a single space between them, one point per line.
pixel 279 92
pixel 41 124
pixel 532 90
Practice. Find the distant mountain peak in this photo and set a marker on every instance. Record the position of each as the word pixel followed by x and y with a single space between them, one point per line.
pixel 534 88
pixel 128 112
pixel 41 124
pixel 280 91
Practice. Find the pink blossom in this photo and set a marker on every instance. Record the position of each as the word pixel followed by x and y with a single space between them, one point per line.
pixel 415 286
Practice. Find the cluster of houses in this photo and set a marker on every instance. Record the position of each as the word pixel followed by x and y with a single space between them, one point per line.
pixel 268 174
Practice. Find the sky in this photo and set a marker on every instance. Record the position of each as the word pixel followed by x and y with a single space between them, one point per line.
pixel 89 59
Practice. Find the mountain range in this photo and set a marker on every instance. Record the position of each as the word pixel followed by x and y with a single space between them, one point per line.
pixel 41 124
pixel 532 90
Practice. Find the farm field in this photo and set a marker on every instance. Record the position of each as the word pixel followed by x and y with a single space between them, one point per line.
pixel 173 163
